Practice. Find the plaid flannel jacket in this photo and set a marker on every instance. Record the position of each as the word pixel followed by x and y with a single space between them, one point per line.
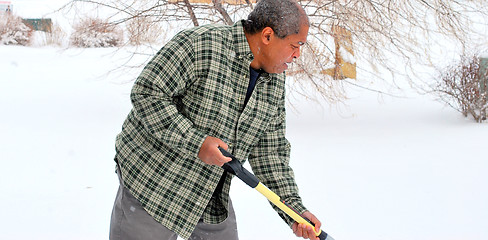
pixel 195 87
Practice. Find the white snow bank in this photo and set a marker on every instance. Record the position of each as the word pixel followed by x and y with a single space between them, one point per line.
pixel 398 168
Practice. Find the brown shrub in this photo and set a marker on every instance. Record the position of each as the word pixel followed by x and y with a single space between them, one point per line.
pixel 143 30
pixel 463 87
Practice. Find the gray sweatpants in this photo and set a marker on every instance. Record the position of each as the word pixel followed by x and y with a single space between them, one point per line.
pixel 131 222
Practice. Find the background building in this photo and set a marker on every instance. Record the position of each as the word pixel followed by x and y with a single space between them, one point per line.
pixel 5 7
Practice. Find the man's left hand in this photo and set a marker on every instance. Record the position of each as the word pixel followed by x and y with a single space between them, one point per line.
pixel 305 231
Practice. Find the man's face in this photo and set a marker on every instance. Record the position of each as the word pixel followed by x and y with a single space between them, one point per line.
pixel 281 52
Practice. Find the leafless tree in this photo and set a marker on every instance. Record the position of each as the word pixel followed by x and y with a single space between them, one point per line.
pixel 383 32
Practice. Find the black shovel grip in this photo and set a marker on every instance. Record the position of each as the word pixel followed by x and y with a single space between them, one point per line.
pixel 235 167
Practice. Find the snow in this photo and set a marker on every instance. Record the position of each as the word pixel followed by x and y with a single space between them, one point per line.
pixel 484 53
pixel 347 56
pixel 399 168
pixel 379 168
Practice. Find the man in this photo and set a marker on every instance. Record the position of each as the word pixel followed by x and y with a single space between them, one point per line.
pixel 209 87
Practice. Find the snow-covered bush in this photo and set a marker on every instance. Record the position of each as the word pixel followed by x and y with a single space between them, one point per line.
pixel 93 32
pixel 13 31
pixel 463 87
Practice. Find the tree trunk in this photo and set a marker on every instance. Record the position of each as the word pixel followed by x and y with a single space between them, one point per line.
pixel 192 14
pixel 222 11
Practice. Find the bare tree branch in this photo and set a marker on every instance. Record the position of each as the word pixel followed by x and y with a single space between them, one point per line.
pixel 384 32
pixel 190 11
pixel 222 11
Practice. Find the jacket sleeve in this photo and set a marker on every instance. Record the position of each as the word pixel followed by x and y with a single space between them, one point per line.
pixel 155 96
pixel 270 163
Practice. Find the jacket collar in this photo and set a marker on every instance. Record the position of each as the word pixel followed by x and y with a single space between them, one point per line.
pixel 240 42
pixel 242 49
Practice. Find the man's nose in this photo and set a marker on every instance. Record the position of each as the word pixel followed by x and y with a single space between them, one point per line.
pixel 296 54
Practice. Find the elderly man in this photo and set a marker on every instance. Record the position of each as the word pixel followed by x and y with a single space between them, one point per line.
pixel 210 86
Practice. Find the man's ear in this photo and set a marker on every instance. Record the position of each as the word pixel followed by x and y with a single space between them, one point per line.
pixel 266 35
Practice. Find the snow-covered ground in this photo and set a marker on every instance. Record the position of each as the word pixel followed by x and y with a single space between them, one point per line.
pixel 384 168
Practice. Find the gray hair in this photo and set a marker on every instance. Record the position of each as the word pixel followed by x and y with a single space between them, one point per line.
pixel 285 17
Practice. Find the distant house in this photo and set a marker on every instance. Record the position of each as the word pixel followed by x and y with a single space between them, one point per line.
pixel 5 7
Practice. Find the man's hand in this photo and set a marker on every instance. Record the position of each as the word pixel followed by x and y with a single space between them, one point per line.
pixel 305 231
pixel 210 154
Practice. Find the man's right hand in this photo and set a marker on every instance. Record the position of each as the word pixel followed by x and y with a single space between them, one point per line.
pixel 210 154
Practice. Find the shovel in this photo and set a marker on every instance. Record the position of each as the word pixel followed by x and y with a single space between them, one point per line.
pixel 235 167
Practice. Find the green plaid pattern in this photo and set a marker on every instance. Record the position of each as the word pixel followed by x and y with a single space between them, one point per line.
pixel 195 87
